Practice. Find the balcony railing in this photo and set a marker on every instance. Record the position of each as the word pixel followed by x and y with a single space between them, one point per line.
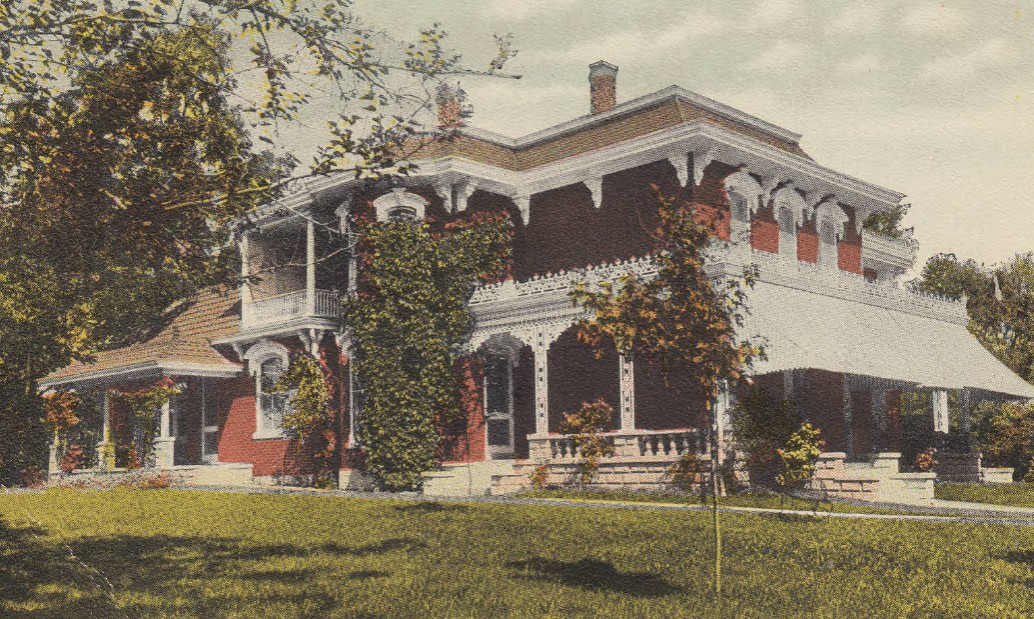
pixel 655 444
pixel 291 306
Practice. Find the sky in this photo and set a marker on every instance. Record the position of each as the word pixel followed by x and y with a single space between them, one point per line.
pixel 934 100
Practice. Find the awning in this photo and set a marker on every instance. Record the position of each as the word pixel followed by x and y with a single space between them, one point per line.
pixel 803 329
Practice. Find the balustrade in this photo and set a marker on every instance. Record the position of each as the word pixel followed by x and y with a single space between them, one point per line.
pixel 290 306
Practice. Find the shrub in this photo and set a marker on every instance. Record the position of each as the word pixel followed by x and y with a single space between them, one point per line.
pixel 539 475
pixel 584 427
pixel 926 459
pixel 72 460
pixel 686 474
pixel 1005 434
pixel 764 426
pixel 798 456
pixel 32 477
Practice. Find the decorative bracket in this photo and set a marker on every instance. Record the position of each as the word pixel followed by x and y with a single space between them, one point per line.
pixel 444 191
pixel 463 192
pixel 595 186
pixel 523 203
pixel 681 164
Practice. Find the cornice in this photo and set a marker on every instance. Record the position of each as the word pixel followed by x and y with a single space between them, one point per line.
pixel 144 370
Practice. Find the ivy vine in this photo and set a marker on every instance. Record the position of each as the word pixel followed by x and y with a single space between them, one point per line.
pixel 144 406
pixel 310 421
pixel 408 324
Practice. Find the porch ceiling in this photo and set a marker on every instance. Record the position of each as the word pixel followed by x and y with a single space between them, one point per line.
pixel 805 329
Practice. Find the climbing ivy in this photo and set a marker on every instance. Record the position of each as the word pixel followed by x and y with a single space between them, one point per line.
pixel 144 405
pixel 408 324
pixel 310 421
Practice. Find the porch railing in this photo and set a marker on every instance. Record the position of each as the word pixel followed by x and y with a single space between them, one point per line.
pixel 623 443
pixel 291 306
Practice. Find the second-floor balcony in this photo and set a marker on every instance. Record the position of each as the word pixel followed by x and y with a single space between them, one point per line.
pixel 291 307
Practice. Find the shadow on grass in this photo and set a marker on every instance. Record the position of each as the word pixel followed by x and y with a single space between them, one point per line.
pixel 38 579
pixel 594 575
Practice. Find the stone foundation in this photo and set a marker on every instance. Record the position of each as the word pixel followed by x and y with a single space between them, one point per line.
pixel 876 477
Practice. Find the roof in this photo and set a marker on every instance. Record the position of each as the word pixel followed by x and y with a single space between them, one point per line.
pixel 181 344
pixel 806 329
pixel 665 108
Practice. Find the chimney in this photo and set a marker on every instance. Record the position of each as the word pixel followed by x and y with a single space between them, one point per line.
pixel 603 90
pixel 452 105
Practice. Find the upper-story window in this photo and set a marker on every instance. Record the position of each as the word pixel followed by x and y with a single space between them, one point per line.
pixel 827 243
pixel 739 225
pixel 787 233
pixel 267 361
pixel 744 198
pixel 400 205
pixel 830 219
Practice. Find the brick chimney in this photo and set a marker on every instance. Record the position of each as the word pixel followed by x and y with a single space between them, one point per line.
pixel 453 108
pixel 603 89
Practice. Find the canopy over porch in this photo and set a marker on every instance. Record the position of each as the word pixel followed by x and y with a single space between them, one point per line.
pixel 924 344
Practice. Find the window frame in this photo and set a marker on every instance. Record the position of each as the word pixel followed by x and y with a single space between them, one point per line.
pixel 257 356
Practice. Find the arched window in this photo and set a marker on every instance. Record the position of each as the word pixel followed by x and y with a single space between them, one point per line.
pixel 827 243
pixel 267 361
pixel 400 205
pixel 787 233
pixel 740 218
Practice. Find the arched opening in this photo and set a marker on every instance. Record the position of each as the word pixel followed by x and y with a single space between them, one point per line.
pixel 787 233
pixel 827 243
pixel 740 218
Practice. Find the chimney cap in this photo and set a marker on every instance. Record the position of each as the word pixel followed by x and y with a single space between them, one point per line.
pixel 602 67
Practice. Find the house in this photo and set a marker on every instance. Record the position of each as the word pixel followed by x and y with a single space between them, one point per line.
pixel 844 338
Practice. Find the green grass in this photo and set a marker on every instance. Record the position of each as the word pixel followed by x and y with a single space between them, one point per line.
pixel 193 554
pixel 763 500
pixel 1017 495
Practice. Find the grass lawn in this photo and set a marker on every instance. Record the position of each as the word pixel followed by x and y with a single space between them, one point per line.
pixel 1018 495
pixel 180 553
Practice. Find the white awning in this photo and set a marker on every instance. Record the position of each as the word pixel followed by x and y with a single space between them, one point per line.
pixel 803 329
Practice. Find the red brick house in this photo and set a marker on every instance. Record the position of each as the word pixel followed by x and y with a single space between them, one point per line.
pixel 843 337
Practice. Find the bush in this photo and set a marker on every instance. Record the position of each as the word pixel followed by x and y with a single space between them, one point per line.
pixel 798 456
pixel 926 459
pixel 763 426
pixel 72 460
pixel 585 427
pixel 32 477
pixel 539 475
pixel 1004 433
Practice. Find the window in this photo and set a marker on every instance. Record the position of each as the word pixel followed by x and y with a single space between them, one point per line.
pixel 787 233
pixel 267 361
pixel 740 220
pixel 827 244
pixel 271 406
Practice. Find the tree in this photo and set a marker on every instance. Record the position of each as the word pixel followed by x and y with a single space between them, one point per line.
pixel 887 223
pixel 130 140
pixel 680 319
pixel 999 301
pixel 408 324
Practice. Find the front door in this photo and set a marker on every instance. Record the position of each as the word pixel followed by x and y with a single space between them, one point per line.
pixel 209 423
pixel 499 406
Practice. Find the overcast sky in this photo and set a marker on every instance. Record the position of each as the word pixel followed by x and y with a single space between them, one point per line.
pixel 935 100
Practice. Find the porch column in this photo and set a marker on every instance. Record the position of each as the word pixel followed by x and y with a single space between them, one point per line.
pixel 102 462
pixel 626 387
pixel 165 443
pixel 848 417
pixel 879 413
pixel 310 267
pixel 53 467
pixel 939 398
pixel 353 399
pixel 964 421
pixel 541 352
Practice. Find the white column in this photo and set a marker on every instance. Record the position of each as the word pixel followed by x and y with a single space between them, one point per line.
pixel 310 267
pixel 353 400
pixel 848 417
pixel 165 443
pixel 879 413
pixel 105 429
pixel 626 388
pixel 53 467
pixel 541 352
pixel 939 399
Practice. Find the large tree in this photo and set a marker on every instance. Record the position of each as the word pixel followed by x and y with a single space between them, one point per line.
pixel 132 132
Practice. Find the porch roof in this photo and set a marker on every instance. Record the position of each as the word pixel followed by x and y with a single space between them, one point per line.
pixel 806 329
pixel 180 345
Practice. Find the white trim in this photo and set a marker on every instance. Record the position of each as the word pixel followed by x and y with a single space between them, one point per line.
pixel 262 351
pixel 145 369
pixel 400 198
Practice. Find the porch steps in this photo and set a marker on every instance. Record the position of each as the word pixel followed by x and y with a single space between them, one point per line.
pixel 221 474
pixel 466 479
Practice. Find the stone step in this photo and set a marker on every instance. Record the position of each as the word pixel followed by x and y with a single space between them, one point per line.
pixel 467 479
pixel 223 474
